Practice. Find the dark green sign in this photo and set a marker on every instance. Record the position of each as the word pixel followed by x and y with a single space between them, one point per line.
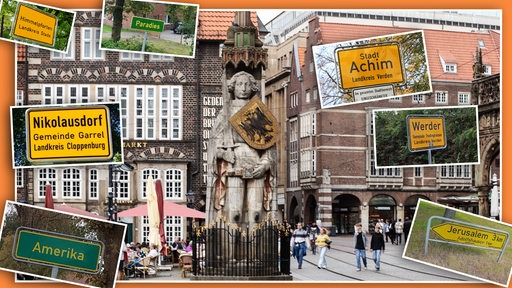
pixel 147 24
pixel 53 249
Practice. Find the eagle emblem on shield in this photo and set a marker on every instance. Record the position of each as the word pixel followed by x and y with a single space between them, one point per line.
pixel 256 124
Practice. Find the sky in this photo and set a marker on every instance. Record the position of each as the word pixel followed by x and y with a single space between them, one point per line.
pixel 267 14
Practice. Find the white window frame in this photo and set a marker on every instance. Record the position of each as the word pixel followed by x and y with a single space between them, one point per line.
pixel 174 227
pixel 19 97
pixel 70 55
pixel 44 176
pixel 418 99
pixel 165 113
pixel 93 184
pixel 139 113
pixel 19 178
pixel 155 173
pixel 308 96
pixel 397 99
pixel 123 185
pixel 124 108
pixel 84 97
pixel 488 69
pixel 441 97
pixel 131 56
pixel 156 57
pixel 71 183
pixel 94 43
pixel 73 99
pixel 100 97
pixel 450 68
pixel 144 231
pixel 173 184
pixel 455 171
pixel 53 97
pixel 464 98
pixel 150 111
pixel 418 171
pixel 176 123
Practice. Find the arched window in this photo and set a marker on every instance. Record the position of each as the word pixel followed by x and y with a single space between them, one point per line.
pixel 154 173
pixel 46 175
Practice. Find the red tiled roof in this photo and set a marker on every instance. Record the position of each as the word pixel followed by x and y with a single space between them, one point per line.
pixel 213 25
pixel 455 47
pixel 21 52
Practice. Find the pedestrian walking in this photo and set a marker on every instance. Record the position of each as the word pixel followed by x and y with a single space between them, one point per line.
pixel 313 232
pixel 322 242
pixel 399 229
pixel 392 231
pixel 377 246
pixel 299 243
pixel 407 228
pixel 386 232
pixel 360 246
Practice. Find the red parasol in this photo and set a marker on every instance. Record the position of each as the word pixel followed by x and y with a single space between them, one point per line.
pixel 73 210
pixel 160 200
pixel 170 209
pixel 48 197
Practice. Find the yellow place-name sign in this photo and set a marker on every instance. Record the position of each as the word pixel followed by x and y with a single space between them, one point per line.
pixel 64 134
pixel 425 132
pixel 464 234
pixel 370 66
pixel 34 25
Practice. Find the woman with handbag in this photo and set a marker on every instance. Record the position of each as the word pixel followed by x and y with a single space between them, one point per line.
pixel 323 242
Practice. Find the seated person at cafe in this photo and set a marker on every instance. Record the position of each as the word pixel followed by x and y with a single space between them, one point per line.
pixel 134 261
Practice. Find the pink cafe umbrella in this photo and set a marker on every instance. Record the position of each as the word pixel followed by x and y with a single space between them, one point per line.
pixel 170 209
pixel 48 197
pixel 160 200
pixel 77 211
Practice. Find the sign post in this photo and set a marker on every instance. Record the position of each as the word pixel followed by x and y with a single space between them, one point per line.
pixel 461 233
pixel 34 25
pixel 370 65
pixel 426 133
pixel 57 250
pixel 65 134
pixel 146 25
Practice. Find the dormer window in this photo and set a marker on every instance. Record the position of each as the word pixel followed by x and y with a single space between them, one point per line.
pixel 481 43
pixel 450 68
pixel 488 70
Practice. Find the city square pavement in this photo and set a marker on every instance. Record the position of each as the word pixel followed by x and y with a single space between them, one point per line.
pixel 341 268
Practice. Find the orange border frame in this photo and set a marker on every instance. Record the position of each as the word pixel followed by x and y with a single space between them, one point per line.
pixel 8 94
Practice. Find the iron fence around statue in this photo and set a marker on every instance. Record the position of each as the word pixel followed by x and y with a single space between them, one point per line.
pixel 226 250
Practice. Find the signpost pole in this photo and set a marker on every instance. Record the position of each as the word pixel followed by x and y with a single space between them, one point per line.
pixel 144 42
pixel 430 153
pixel 55 270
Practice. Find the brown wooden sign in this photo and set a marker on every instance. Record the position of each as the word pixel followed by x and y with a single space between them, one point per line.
pixel 256 124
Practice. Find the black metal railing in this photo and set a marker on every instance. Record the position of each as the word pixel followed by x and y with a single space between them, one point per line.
pixel 227 250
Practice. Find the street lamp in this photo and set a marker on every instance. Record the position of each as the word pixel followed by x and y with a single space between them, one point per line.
pixel 191 198
pixel 112 193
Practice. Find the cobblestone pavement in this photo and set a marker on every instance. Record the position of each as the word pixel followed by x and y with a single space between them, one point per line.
pixel 341 268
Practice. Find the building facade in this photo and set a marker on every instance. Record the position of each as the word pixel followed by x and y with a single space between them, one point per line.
pixel 167 107
pixel 331 169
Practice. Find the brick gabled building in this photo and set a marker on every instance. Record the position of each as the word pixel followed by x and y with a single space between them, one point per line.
pixel 167 107
pixel 332 174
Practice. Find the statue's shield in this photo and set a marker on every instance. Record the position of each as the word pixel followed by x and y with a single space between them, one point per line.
pixel 256 124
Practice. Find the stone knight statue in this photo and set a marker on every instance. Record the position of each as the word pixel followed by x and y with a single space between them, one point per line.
pixel 241 147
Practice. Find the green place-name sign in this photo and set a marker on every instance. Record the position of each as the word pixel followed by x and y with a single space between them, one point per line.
pixel 52 249
pixel 147 24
